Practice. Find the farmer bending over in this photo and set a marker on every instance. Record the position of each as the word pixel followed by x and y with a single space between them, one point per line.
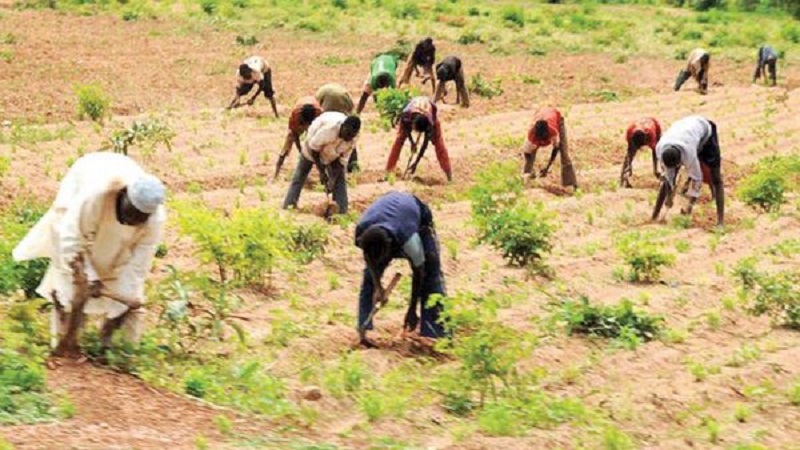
pixel 304 112
pixel 423 57
pixel 104 225
pixel 399 225
pixel 546 129
pixel 254 71
pixel 331 138
pixel 382 74
pixel 767 59
pixel 419 116
pixel 642 132
pixel 450 69
pixel 692 142
pixel 697 68
pixel 335 97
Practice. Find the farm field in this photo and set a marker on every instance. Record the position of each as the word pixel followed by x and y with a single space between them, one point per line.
pixel 274 362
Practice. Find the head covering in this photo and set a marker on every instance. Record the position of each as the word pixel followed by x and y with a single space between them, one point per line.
pixel 147 193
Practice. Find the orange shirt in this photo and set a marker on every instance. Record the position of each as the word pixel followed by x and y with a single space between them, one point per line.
pixel 650 127
pixel 295 126
pixel 553 119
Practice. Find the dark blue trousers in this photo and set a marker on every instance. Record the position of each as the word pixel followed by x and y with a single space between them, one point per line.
pixel 433 283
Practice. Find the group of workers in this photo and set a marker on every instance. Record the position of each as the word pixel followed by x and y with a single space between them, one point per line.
pixel 102 230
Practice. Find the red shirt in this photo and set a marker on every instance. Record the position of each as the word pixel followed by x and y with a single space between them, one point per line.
pixel 295 126
pixel 650 127
pixel 553 119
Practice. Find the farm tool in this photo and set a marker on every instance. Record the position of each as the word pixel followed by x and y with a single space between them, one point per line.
pixel 377 304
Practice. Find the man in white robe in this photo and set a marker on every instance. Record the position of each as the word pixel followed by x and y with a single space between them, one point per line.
pixel 108 214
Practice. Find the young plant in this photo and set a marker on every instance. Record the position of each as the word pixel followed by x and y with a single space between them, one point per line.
pixel 643 256
pixel 776 295
pixel 146 134
pixel 483 88
pixel 390 104
pixel 92 102
pixel 609 321
pixel 772 179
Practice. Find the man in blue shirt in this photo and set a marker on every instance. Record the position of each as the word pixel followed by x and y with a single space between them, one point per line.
pixel 767 59
pixel 399 225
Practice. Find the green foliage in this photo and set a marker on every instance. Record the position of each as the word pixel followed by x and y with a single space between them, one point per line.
pixel 514 15
pixel 92 102
pixel 247 244
pixel 346 376
pixel 616 321
pixel 193 310
pixel 520 229
pixel 30 135
pixel 307 242
pixel 794 394
pixel 146 134
pixel 644 256
pixel 14 225
pixel 209 6
pixel 616 439
pixel 400 50
pixel 470 37
pixel 23 351
pixel 390 103
pixel 246 41
pixel 776 295
pixel 773 177
pixel 485 88
pixel 406 10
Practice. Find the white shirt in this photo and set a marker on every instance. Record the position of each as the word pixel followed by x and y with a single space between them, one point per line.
pixel 689 135
pixel 259 65
pixel 83 220
pixel 323 137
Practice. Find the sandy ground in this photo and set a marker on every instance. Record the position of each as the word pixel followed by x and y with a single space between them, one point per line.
pixel 185 76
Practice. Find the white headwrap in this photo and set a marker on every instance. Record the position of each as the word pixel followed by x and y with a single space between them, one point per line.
pixel 147 193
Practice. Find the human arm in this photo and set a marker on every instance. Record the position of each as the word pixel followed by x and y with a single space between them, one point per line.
pixel 362 102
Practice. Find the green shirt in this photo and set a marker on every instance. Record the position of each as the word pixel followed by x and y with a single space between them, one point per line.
pixel 382 64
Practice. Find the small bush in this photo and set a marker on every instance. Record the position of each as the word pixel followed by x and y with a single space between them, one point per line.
pixel 209 7
pixel 306 243
pixel 92 102
pixel 246 41
pixel 146 134
pixel 644 257
pixel 406 10
pixel 471 37
pixel 794 394
pixel 772 179
pixel 131 15
pixel 390 104
pixel 609 321
pixel 14 225
pixel 776 295
pixel 484 88
pixel 341 4
pixel 245 245
pixel 514 15
pixel 791 32
pixel 523 233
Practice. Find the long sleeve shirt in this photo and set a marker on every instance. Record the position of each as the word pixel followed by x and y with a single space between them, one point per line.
pixel 83 221
pixel 766 54
pixel 323 138
pixel 688 135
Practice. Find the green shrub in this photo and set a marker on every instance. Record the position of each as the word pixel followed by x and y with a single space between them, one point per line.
pixel 791 32
pixel 484 88
pixel 523 233
pixel 470 37
pixel 23 351
pixel 609 321
pixel 644 257
pixel 14 225
pixel 209 7
pixel 147 134
pixel 776 295
pixel 406 10
pixel 514 15
pixel 92 102
pixel 307 242
pixel 794 394
pixel 246 41
pixel 521 230
pixel 400 50
pixel 772 179
pixel 390 104
pixel 245 245
pixel 341 4
pixel 131 15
